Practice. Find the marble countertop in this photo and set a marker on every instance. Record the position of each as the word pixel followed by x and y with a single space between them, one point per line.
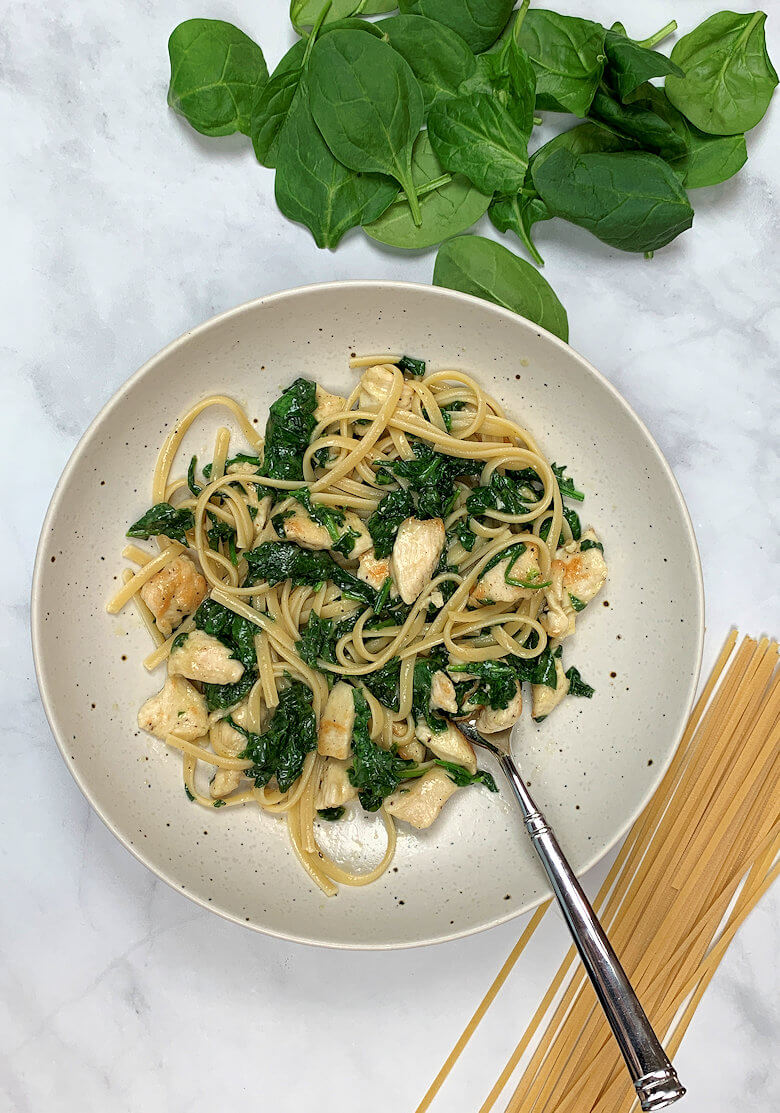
pixel 121 229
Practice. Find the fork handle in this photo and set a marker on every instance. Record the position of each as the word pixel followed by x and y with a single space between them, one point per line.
pixel 653 1075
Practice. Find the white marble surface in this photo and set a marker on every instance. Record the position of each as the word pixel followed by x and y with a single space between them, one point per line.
pixel 120 229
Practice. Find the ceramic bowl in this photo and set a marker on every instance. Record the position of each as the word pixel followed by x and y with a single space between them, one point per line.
pixel 592 765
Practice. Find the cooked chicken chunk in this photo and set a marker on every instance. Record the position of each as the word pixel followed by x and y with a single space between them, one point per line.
pixel 544 699
pixel 575 576
pixel 372 571
pixel 416 553
pixel 412 751
pixel 226 739
pixel 491 719
pixel 334 788
pixel 375 385
pixel 419 802
pixel 492 587
pixel 224 782
pixel 199 656
pixel 178 708
pixel 175 591
pixel 334 736
pixel 362 543
pixel 302 528
pixel 328 404
pixel 443 692
pixel 448 744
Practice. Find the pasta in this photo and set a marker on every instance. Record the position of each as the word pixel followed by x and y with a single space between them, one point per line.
pixel 690 871
pixel 330 602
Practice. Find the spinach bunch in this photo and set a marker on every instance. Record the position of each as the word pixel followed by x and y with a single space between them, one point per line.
pixel 415 125
pixel 275 561
pixel 282 748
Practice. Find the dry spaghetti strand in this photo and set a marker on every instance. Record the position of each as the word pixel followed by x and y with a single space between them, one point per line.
pixel 693 867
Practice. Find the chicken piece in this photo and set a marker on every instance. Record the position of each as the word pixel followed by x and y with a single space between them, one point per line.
pixel 490 720
pixel 334 788
pixel 363 542
pixel 559 617
pixel 443 692
pixel 412 751
pixel 178 708
pixel 299 527
pixel 328 404
pixel 175 591
pixel 372 571
pixel 334 736
pixel 492 587
pixel 416 552
pixel 419 802
pixel 224 738
pixel 544 699
pixel 224 782
pixel 586 573
pixel 242 467
pixel 375 385
pixel 199 656
pixel 448 745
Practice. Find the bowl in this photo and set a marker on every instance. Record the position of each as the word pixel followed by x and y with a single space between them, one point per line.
pixel 592 765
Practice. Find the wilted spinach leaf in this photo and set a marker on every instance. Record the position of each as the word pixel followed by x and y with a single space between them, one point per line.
pixel 374 772
pixel 275 561
pixel 383 524
pixel 289 427
pixel 384 683
pixel 291 734
pixel 498 682
pixel 577 686
pixel 463 778
pixel 164 520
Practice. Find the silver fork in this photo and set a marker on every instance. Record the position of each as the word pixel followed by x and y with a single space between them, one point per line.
pixel 653 1075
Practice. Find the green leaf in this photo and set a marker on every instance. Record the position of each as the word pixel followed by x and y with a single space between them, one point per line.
pixel 568 56
pixel 374 772
pixel 289 427
pixel 630 200
pixel 577 686
pixel 438 57
pixel 385 684
pixel 729 78
pixel 305 13
pixel 383 524
pixel 639 122
pixel 631 65
pixel 446 211
pixel 462 778
pixel 291 734
pixel 331 814
pixel 484 135
pixel 479 22
pixel 485 269
pixel 368 105
pixel 708 159
pixel 163 520
pixel 275 561
pixel 315 189
pixel 378 7
pixel 216 71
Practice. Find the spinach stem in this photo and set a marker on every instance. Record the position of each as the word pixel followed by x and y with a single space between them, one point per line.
pixel 411 195
pixel 538 121
pixel 659 36
pixel 315 32
pixel 520 17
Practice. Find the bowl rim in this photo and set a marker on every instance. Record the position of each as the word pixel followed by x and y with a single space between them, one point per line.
pixel 37 626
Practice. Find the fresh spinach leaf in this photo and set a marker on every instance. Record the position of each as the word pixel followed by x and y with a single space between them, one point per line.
pixel 384 683
pixel 163 520
pixel 216 71
pixel 462 778
pixel 315 189
pixel 577 686
pixel 378 7
pixel 368 105
pixel 449 208
pixel 439 58
pixel 567 54
pixel 375 773
pixel 518 212
pixel 305 13
pixel 275 561
pixel 331 814
pixel 290 424
pixel 485 269
pixel 728 77
pixel 629 199
pixel 629 64
pixel 291 734
pixel 639 122
pixel 383 524
pixel 479 22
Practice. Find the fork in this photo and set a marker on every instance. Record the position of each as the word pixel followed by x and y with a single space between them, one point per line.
pixel 653 1075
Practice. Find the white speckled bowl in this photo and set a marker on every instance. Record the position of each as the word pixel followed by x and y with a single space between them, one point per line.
pixel 592 765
